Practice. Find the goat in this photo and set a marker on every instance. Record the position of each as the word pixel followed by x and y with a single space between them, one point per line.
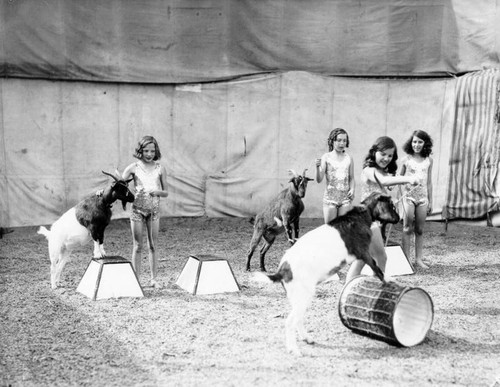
pixel 281 214
pixel 88 219
pixel 322 252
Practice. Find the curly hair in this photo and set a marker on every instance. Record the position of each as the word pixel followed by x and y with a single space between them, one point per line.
pixel 381 144
pixel 333 136
pixel 142 143
pixel 424 136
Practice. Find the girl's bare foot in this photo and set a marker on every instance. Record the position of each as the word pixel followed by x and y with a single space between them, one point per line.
pixel 421 264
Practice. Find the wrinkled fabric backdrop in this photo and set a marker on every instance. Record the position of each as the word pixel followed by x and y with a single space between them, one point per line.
pixel 236 92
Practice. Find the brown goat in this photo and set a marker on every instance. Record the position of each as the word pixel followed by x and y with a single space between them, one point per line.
pixel 281 214
pixel 323 252
pixel 87 220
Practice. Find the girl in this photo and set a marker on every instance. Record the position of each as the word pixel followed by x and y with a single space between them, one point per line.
pixel 417 200
pixel 338 168
pixel 378 173
pixel 150 180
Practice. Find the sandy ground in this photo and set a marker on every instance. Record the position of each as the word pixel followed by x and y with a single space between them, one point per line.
pixel 171 337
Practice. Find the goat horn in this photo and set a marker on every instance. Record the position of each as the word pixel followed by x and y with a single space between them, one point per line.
pixel 117 173
pixel 304 173
pixel 109 174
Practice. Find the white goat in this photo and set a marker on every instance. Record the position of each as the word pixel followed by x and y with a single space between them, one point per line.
pixel 281 214
pixel 88 219
pixel 322 252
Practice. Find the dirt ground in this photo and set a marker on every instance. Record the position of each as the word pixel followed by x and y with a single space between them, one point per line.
pixel 170 337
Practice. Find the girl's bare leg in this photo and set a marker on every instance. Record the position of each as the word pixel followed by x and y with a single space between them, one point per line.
pixel 420 215
pixel 377 247
pixel 377 251
pixel 153 228
pixel 136 228
pixel 408 231
pixel 329 213
pixel 344 209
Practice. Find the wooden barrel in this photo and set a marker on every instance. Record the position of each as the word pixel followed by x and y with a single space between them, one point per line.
pixel 397 314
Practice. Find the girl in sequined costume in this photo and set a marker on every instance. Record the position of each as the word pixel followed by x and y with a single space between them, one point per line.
pixel 338 169
pixel 150 180
pixel 417 200
pixel 378 174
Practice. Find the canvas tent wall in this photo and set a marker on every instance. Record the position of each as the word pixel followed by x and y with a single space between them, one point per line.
pixel 228 136
pixel 227 146
pixel 179 41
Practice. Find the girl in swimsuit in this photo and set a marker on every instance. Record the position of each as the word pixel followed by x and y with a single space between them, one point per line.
pixel 417 202
pixel 150 180
pixel 378 175
pixel 338 169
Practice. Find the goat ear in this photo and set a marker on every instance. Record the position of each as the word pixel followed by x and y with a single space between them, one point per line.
pixel 293 173
pixel 109 174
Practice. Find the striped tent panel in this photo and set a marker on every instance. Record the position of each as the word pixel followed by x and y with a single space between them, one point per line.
pixel 475 147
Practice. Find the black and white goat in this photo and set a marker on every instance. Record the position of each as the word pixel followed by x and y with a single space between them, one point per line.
pixel 322 252
pixel 88 219
pixel 281 214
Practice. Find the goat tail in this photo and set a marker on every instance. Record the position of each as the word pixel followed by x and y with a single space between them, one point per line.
pixel 275 277
pixel 43 231
pixel 284 274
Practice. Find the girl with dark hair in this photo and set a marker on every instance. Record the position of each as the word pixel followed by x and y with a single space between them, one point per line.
pixel 378 174
pixel 338 168
pixel 417 200
pixel 150 180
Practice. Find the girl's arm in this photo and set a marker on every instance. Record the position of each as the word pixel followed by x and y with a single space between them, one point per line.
pixel 128 172
pixel 163 180
pixel 402 171
pixel 352 184
pixel 429 187
pixel 320 169
pixel 387 180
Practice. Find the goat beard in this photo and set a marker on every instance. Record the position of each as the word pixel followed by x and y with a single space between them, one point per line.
pixel 124 205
